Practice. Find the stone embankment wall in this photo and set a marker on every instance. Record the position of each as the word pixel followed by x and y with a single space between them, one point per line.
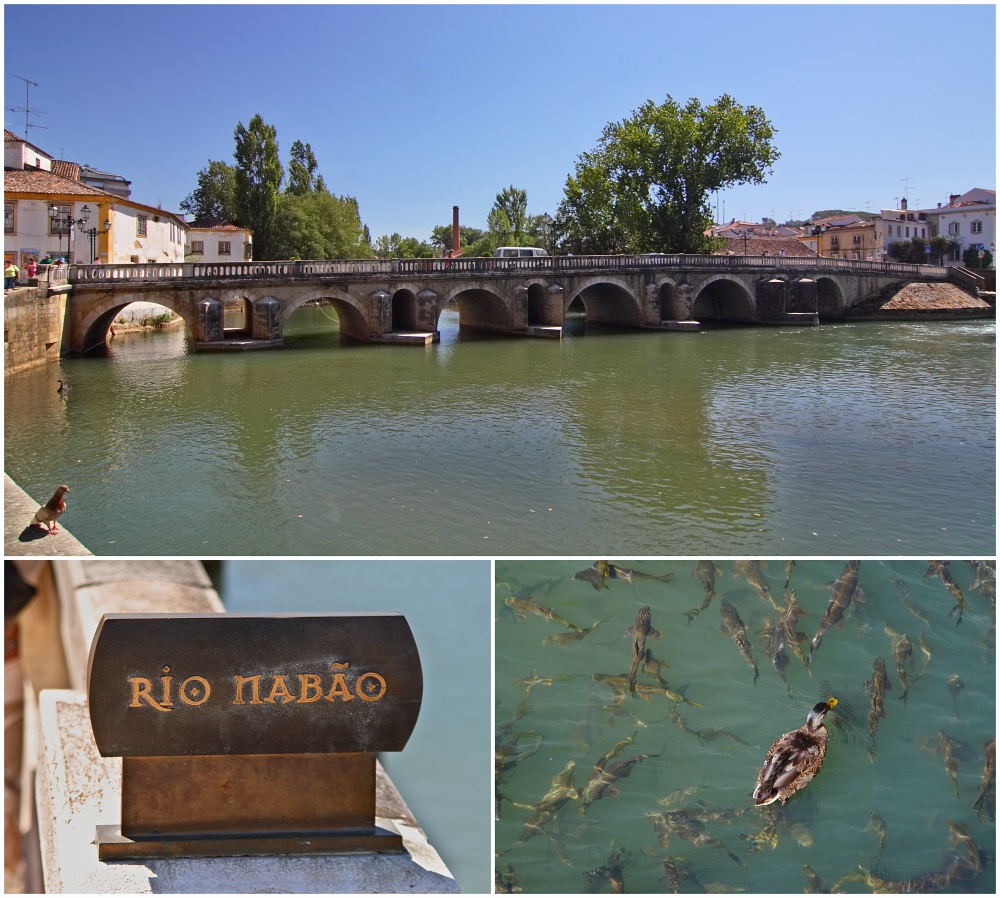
pixel 32 327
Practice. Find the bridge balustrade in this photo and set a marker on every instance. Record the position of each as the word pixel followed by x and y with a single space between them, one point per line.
pixel 564 265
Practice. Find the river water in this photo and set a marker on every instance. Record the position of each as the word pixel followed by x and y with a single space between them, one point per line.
pixel 828 826
pixel 443 773
pixel 878 437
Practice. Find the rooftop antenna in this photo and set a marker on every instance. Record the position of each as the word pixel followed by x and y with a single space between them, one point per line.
pixel 26 108
pixel 906 186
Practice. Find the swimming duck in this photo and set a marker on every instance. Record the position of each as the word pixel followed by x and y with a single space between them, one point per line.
pixel 62 388
pixel 794 759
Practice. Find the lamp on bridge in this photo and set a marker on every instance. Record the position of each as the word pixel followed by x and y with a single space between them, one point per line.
pixel 91 235
pixel 64 221
pixel 745 233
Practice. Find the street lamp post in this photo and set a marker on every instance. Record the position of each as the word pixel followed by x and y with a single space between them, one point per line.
pixel 65 220
pixel 91 235
pixel 745 233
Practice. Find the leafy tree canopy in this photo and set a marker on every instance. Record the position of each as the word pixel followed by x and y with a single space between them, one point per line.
pixel 394 246
pixel 915 251
pixel 258 180
pixel 318 225
pixel 215 196
pixel 302 177
pixel 645 187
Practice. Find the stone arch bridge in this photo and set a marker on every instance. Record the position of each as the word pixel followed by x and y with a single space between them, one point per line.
pixel 400 300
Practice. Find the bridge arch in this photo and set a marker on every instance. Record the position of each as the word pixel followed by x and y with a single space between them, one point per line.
pixel 404 310
pixel 830 301
pixel 353 316
pixel 607 301
pixel 478 309
pixel 94 326
pixel 722 298
pixel 670 300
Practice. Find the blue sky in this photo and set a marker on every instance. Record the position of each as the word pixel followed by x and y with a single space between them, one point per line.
pixel 414 109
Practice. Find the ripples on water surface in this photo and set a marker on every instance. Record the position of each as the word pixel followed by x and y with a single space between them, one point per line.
pixel 879 437
pixel 907 785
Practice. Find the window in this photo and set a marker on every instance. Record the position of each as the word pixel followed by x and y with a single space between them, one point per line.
pixel 907 232
pixel 954 229
pixel 197 247
pixel 60 223
pixel 834 241
pixel 224 248
pixel 898 234
pixel 977 227
pixel 8 218
pixel 140 226
pixel 857 238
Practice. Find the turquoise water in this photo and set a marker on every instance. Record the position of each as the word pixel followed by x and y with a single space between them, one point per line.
pixel 907 784
pixel 442 773
pixel 738 441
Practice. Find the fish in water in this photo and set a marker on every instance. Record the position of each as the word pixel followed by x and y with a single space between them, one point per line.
pixel 940 569
pixel 794 759
pixel 654 667
pixel 754 574
pixel 641 630
pixel 733 626
pixel 789 567
pixel 986 803
pixel 845 590
pixel 596 575
pixel 574 635
pixel 785 633
pixel 619 684
pixel 545 811
pixel 630 574
pixel 509 754
pixel 926 651
pixel 706 572
pixel 876 824
pixel 950 749
pixel 955 686
pixel 611 872
pixel 507 882
pixel 522 607
pixel 902 651
pixel 600 784
pixel 814 885
pixel 686 826
pixel 533 679
pixel 876 707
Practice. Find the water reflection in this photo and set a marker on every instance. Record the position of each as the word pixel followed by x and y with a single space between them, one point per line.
pixel 589 766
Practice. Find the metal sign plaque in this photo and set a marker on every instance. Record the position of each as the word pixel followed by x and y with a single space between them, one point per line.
pixel 246 734
pixel 206 684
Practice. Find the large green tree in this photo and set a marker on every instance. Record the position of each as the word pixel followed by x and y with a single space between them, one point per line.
pixel 258 181
pixel 318 225
pixel 302 170
pixel 646 185
pixel 215 196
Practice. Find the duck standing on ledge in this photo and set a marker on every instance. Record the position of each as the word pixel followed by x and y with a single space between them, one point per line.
pixel 794 759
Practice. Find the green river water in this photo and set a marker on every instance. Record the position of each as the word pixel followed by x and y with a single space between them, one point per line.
pixel 868 437
pixel 828 826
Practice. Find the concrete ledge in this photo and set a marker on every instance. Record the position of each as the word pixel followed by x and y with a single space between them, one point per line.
pixel 553 332
pixel 409 338
pixel 76 789
pixel 687 325
pixel 22 538
pixel 235 344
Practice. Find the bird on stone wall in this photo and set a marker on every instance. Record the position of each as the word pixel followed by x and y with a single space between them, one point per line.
pixel 49 513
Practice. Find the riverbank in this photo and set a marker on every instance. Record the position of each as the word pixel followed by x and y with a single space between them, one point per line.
pixel 919 302
pixel 22 538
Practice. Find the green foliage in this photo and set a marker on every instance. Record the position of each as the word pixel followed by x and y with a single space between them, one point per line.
pixel 215 196
pixel 441 237
pixel 258 180
pixel 645 187
pixel 318 225
pixel 915 251
pixel 970 258
pixel 393 246
pixel 830 213
pixel 302 167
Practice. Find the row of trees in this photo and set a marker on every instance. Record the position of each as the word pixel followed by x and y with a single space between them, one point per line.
pixel 644 188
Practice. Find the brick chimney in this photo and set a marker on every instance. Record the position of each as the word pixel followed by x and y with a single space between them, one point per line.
pixel 456 240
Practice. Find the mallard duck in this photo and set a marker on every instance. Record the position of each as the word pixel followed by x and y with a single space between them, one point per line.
pixel 794 759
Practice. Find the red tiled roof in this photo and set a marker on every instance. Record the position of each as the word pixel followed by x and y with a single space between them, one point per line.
pixel 65 169
pixel 10 135
pixel 35 181
pixel 757 246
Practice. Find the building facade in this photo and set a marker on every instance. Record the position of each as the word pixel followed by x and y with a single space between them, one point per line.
pixel 219 242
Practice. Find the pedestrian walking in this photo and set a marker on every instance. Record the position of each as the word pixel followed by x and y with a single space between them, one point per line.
pixel 10 273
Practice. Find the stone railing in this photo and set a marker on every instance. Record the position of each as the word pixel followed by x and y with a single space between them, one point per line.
pixel 485 266
pixel 76 789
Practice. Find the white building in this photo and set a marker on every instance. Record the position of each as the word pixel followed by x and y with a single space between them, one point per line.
pixel 969 219
pixel 48 210
pixel 218 242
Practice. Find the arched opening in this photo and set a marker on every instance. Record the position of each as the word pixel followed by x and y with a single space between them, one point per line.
pixel 575 319
pixel 829 299
pixel 723 301
pixel 130 324
pixel 481 310
pixel 237 316
pixel 608 305
pixel 404 311
pixel 323 322
pixel 668 300
pixel 536 305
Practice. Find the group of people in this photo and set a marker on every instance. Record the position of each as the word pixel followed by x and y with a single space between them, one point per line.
pixel 11 272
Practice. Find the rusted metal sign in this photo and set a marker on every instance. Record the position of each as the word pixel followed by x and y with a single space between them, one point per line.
pixel 206 684
pixel 250 734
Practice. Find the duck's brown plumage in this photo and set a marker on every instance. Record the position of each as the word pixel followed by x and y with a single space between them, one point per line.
pixel 794 759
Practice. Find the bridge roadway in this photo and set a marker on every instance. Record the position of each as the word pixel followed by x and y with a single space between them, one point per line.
pixel 400 300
